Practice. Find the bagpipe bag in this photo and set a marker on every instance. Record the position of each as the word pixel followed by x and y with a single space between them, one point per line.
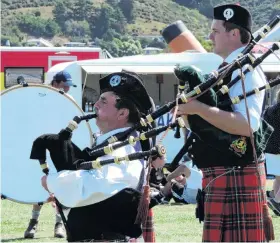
pixel 210 146
pixel 116 214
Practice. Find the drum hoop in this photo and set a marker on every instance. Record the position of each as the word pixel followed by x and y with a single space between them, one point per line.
pixel 33 85
pixel 3 196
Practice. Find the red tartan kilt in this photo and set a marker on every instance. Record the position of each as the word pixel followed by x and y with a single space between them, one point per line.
pixel 148 228
pixel 234 203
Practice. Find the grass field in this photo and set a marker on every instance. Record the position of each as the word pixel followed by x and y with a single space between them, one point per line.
pixel 46 11
pixel 174 223
pixel 145 27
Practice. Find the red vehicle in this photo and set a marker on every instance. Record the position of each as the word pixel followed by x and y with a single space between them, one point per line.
pixel 33 62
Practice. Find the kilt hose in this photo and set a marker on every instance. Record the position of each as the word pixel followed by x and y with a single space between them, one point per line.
pixel 234 200
pixel 148 228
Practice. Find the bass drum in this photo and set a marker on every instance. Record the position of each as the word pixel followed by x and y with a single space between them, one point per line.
pixel 27 113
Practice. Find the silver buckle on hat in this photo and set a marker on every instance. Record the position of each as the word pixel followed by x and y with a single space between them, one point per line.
pixel 228 13
pixel 115 80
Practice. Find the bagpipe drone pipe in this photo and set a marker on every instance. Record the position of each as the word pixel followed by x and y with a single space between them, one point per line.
pixel 197 85
pixel 132 141
pixel 119 212
pixel 256 91
pixel 219 148
pixel 172 32
pixel 261 34
pixel 250 68
pixel 67 156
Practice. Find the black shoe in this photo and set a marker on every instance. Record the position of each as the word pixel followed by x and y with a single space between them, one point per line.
pixel 31 229
pixel 165 200
pixel 270 194
pixel 159 197
pixel 59 231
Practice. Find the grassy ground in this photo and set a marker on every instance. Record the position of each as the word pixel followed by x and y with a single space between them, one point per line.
pixel 46 11
pixel 174 223
pixel 146 27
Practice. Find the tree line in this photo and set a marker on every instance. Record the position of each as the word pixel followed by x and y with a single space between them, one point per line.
pixel 105 22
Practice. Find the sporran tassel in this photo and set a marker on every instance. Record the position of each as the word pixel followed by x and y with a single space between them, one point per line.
pixel 143 207
pixel 267 224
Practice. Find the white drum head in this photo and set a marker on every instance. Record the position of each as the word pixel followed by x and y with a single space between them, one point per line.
pixel 27 113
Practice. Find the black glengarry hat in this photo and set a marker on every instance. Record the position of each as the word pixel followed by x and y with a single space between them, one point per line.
pixel 127 85
pixel 235 14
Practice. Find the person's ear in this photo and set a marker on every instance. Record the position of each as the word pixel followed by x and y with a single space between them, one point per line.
pixel 235 32
pixel 123 113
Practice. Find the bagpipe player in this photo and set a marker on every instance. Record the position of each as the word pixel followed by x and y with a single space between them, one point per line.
pixel 235 207
pixel 92 194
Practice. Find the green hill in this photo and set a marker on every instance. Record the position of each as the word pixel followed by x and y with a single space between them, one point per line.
pixel 113 23
pixel 154 14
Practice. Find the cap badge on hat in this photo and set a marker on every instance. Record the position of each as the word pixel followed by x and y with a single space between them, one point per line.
pixel 115 80
pixel 228 13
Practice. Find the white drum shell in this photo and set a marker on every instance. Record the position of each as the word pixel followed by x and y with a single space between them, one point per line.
pixel 27 113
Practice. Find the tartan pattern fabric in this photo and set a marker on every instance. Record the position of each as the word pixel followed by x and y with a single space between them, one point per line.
pixel 148 228
pixel 234 199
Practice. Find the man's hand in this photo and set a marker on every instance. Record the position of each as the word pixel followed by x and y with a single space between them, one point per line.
pixel 44 184
pixel 230 122
pixel 181 179
pixel 191 108
pixel 51 199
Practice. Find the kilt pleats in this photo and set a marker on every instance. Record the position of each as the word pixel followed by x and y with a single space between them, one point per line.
pixel 234 199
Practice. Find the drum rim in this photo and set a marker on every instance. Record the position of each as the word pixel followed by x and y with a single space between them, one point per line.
pixel 33 85
pixel 3 196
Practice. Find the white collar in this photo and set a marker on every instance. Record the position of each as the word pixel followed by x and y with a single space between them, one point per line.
pixel 232 56
pixel 103 137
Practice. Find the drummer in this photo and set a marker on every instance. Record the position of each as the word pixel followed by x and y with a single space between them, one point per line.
pixel 63 81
